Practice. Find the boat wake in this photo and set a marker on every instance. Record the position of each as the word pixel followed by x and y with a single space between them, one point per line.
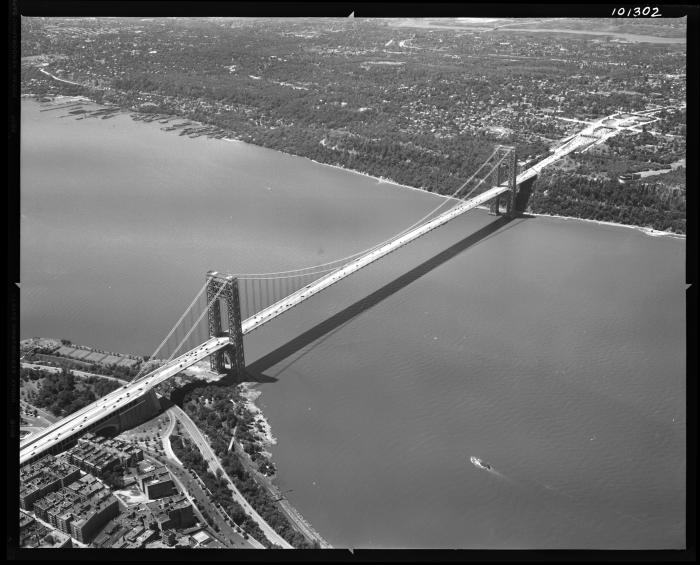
pixel 557 491
pixel 551 491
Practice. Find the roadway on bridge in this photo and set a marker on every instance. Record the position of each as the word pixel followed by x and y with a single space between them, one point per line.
pixel 86 418
pixel 91 415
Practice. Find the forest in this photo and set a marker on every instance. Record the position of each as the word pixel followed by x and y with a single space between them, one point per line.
pixel 63 393
pixel 217 418
pixel 420 107
pixel 637 203
pixel 192 459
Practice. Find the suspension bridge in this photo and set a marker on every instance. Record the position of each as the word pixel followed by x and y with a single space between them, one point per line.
pixel 252 300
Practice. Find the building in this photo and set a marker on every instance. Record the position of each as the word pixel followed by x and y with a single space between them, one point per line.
pixel 185 542
pixel 97 455
pixel 146 523
pixel 168 537
pixel 79 509
pixel 120 544
pixel 101 540
pixel 44 504
pixel 36 488
pixel 92 516
pixel 156 482
pixel 46 475
pixel 25 520
pixel 32 534
pixel 172 512
pixel 133 528
pixel 134 533
pixel 211 543
pixel 145 537
pixel 201 537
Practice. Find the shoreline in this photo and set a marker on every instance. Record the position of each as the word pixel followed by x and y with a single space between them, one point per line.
pixel 251 391
pixel 651 232
pixel 251 394
pixel 382 180
pixel 263 437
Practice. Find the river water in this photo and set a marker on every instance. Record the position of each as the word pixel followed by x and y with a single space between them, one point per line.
pixel 552 349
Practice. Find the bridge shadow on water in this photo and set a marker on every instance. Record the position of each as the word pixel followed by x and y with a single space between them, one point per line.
pixel 324 329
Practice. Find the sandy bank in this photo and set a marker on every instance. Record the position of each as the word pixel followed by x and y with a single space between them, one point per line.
pixel 646 230
pixel 251 395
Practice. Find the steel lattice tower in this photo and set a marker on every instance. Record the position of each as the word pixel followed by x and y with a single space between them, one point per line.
pixel 505 172
pixel 226 286
pixel 511 173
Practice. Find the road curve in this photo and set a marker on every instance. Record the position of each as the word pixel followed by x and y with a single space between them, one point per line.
pixel 215 464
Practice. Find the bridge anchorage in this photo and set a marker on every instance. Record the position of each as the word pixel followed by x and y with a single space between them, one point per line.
pixel 505 172
pixel 223 287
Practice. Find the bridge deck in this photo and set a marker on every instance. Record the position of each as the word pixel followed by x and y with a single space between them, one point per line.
pixel 78 422
pixel 90 416
pixel 317 286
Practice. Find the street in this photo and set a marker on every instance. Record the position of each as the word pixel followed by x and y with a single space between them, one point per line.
pixel 215 465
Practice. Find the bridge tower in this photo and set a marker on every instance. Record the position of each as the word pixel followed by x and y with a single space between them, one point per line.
pixel 226 286
pixel 496 180
pixel 511 173
pixel 506 172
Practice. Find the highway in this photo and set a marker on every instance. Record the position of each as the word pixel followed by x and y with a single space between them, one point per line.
pixel 317 286
pixel 167 447
pixel 82 420
pixel 86 418
pixel 66 430
pixel 594 133
pixel 215 465
pixel 285 506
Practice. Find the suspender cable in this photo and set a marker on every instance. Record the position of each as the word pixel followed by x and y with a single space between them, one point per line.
pixel 296 277
pixel 257 296
pixel 167 337
pixel 245 306
pixel 216 297
pixel 451 197
pixel 377 246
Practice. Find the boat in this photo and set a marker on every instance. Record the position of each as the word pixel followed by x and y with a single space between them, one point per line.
pixel 480 464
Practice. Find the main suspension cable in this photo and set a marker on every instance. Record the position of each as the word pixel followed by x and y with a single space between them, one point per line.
pixel 299 272
pixel 369 249
pixel 167 337
pixel 216 296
